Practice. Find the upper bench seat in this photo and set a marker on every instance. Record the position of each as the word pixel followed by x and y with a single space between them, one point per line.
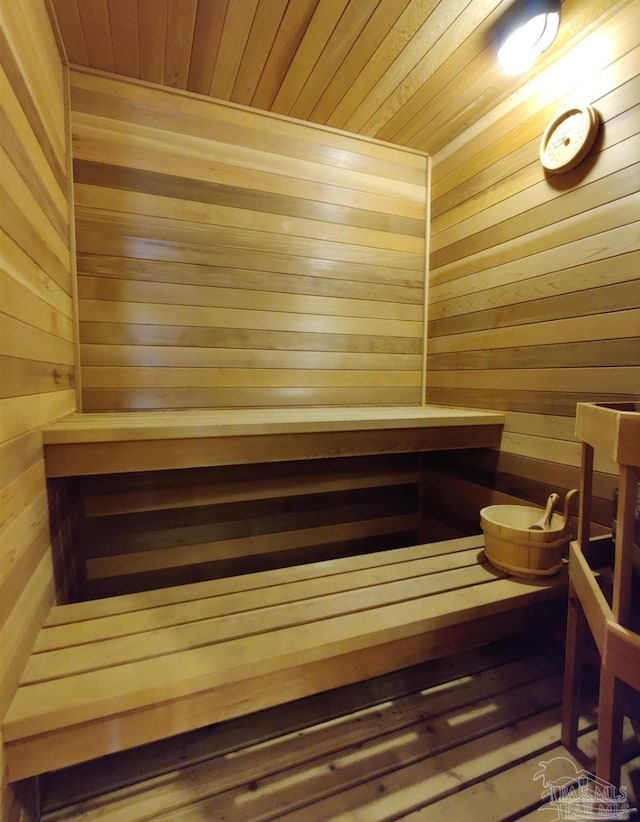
pixel 122 441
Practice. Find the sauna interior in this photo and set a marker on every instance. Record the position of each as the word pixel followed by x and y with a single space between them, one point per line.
pixel 315 240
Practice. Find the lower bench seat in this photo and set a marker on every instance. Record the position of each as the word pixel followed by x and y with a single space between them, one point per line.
pixel 112 674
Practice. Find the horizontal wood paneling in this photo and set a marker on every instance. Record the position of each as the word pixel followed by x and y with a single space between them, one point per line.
pixel 37 372
pixel 140 531
pixel 534 298
pixel 36 354
pixel 273 263
pixel 412 72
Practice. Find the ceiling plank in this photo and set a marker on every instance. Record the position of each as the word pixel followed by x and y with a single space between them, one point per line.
pixel 94 15
pixel 152 28
pixel 444 65
pixel 525 115
pixel 180 25
pixel 68 17
pixel 355 17
pixel 265 27
pixel 288 39
pixel 314 41
pixel 237 25
pixel 391 47
pixel 487 88
pixel 387 95
pixel 369 40
pixel 123 19
pixel 206 42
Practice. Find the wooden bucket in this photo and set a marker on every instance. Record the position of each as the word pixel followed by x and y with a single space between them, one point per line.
pixel 512 547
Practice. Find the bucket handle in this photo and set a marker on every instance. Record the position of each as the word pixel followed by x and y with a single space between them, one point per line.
pixel 567 504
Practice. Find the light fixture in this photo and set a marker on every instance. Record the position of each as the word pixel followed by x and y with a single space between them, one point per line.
pixel 528 30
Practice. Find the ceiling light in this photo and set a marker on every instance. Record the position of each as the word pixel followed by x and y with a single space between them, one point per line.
pixel 527 32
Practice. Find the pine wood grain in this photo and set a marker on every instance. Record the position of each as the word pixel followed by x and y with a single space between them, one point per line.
pixel 249 231
pixel 117 290
pixel 37 361
pixel 140 456
pixel 298 646
pixel 372 285
pixel 158 425
pixel 520 317
pixel 310 734
pixel 152 33
pixel 238 24
pixel 21 627
pixel 70 24
pixel 140 355
pixel 180 24
pixel 168 207
pixel 123 16
pixel 369 39
pixel 321 517
pixel 190 625
pixel 248 120
pixel 141 529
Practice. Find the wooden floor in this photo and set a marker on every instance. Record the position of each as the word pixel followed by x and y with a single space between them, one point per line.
pixel 455 739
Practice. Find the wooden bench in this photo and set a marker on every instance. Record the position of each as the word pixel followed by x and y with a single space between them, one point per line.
pixel 125 441
pixel 221 493
pixel 111 674
pixel 115 673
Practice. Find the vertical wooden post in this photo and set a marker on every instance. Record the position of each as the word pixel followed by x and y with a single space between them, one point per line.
pixel 427 251
pixel 21 801
pixel 610 718
pixel 623 567
pixel 576 635
pixel 586 488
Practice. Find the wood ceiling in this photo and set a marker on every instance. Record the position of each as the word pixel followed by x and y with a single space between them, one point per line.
pixel 414 72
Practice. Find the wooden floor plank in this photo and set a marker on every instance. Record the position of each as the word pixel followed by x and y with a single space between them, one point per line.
pixel 503 794
pixel 448 709
pixel 427 754
pixel 91 779
pixel 412 786
pixel 630 779
pixel 226 778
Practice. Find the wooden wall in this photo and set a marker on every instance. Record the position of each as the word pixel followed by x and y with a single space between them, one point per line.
pixel 229 257
pixel 149 530
pixel 37 350
pixel 534 297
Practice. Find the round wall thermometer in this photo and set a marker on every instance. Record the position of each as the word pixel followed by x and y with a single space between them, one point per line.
pixel 568 138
